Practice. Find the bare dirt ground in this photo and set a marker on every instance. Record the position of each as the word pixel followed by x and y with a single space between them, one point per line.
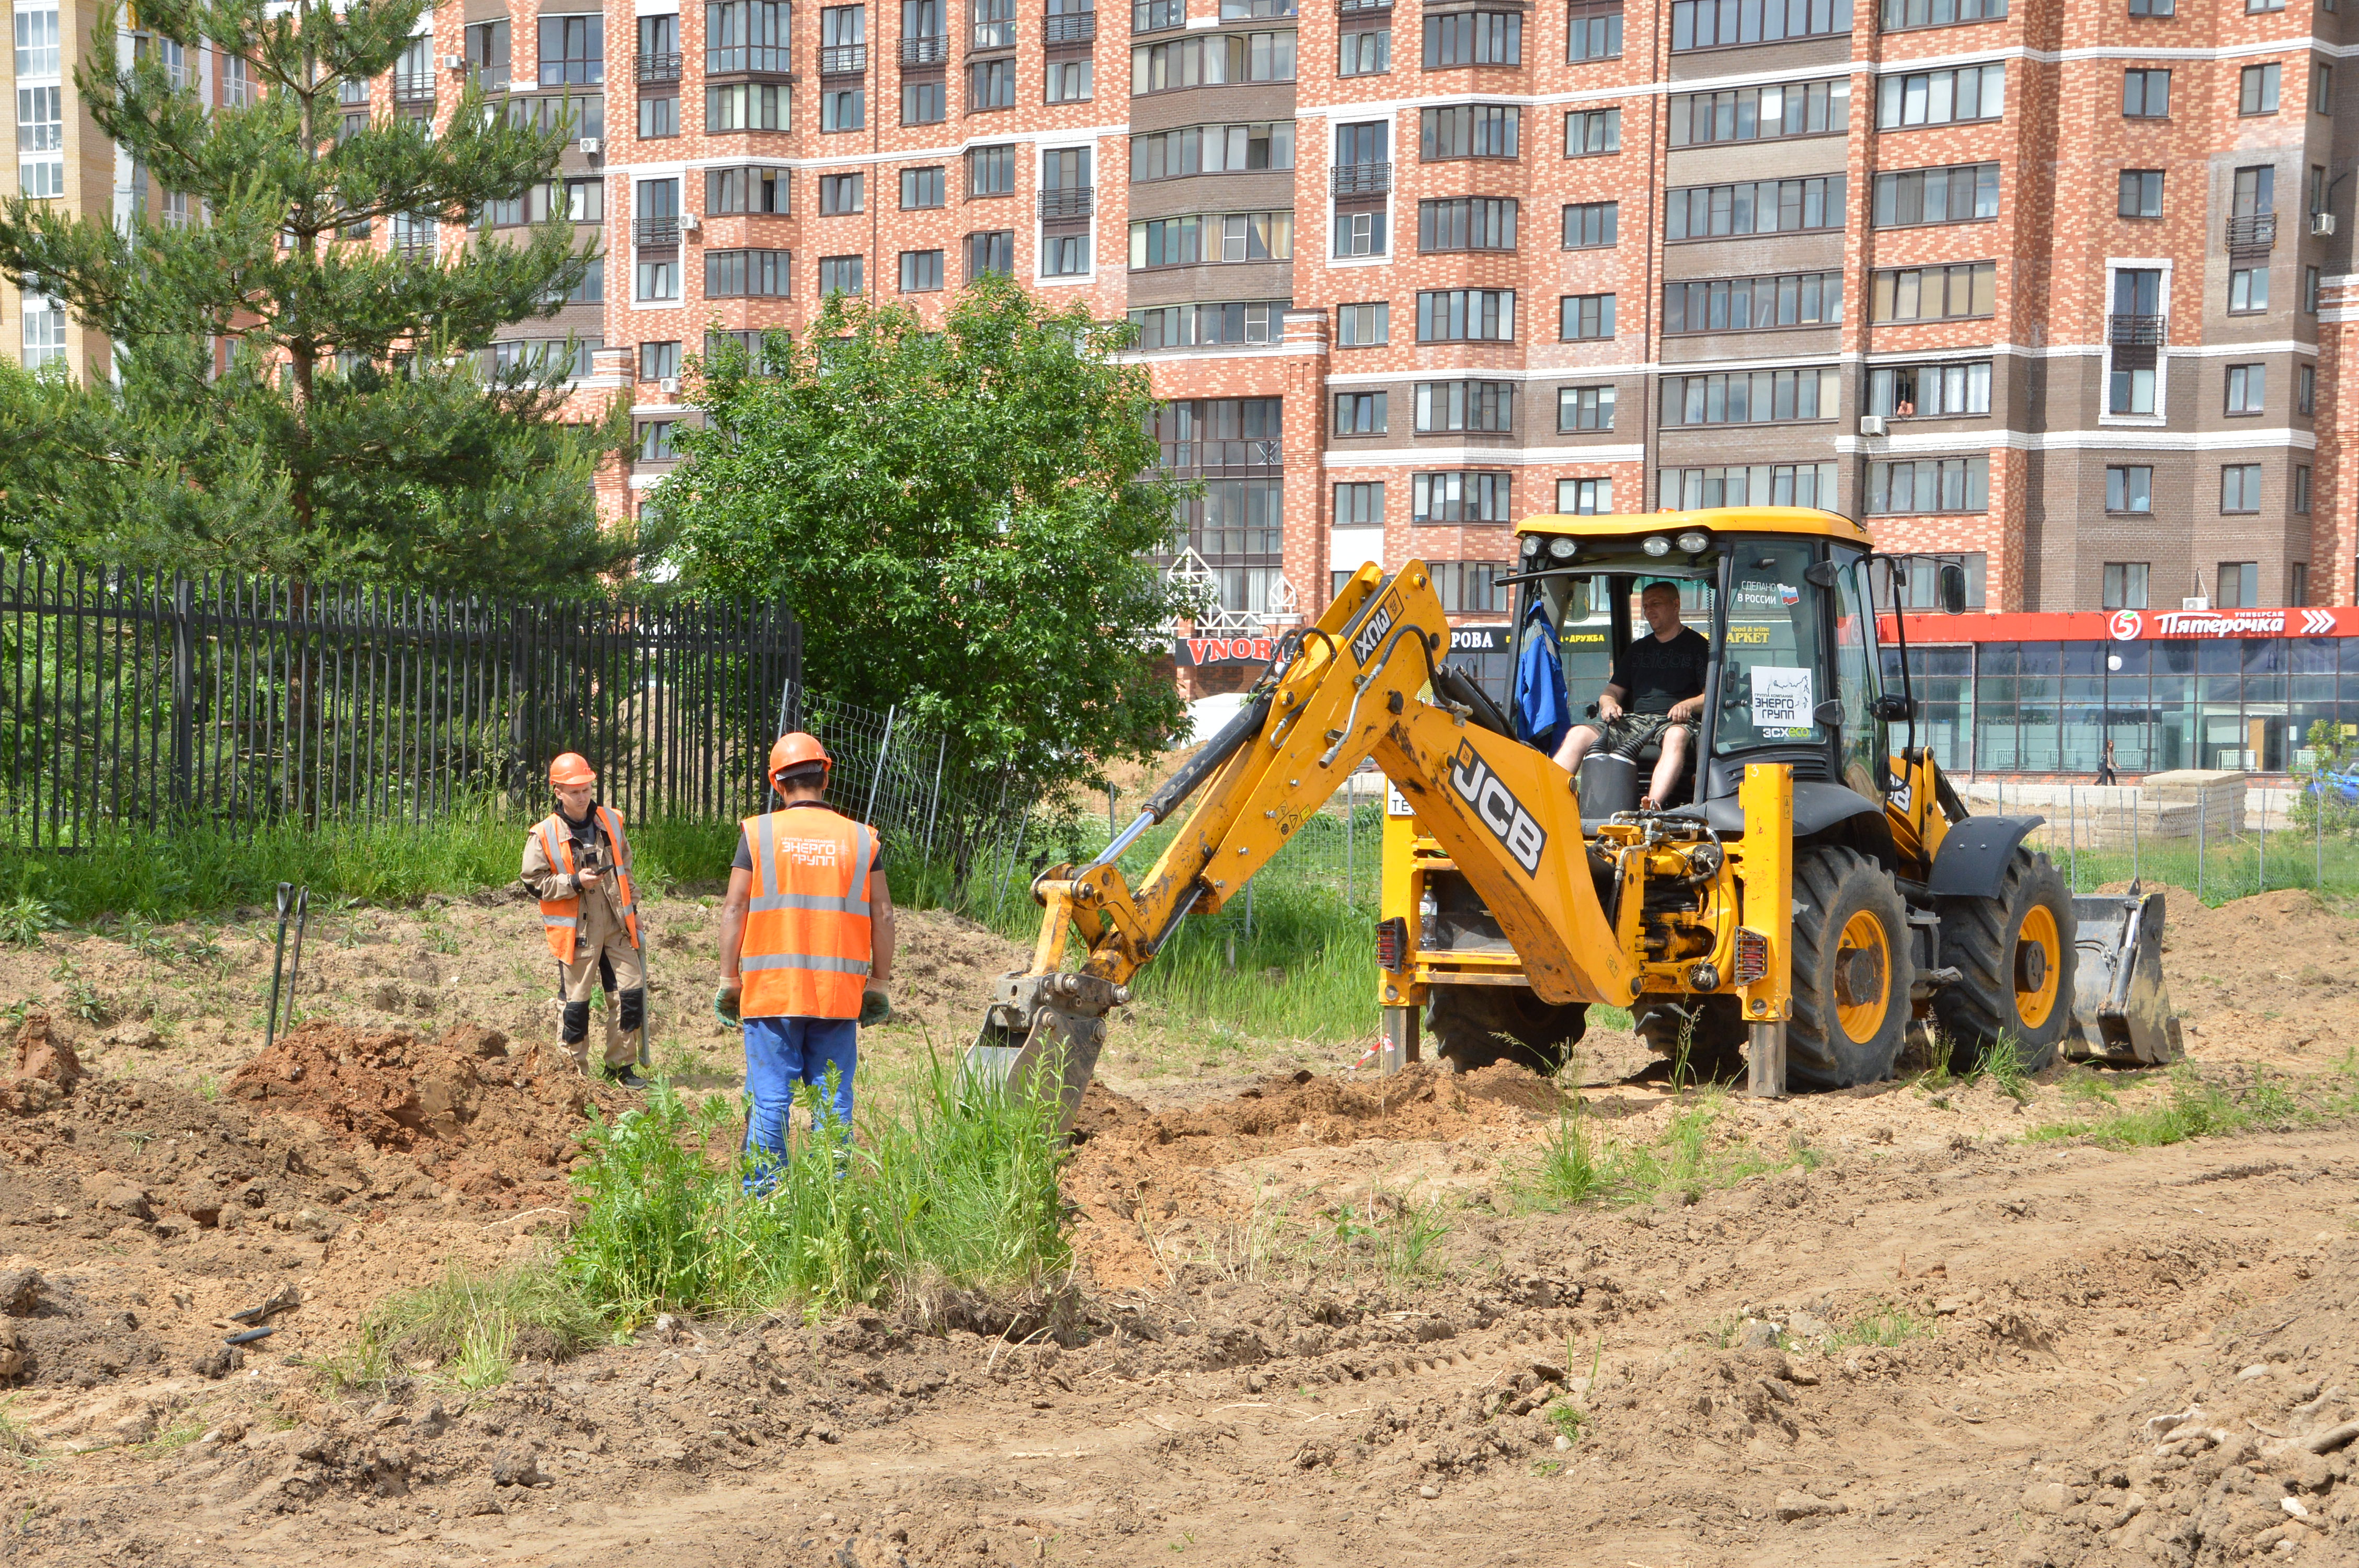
pixel 1318 1318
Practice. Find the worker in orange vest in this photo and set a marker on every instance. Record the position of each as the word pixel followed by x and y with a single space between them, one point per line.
pixel 577 861
pixel 806 948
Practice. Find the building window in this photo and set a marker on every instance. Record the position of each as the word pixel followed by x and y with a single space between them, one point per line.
pixel 2298 582
pixel 843 109
pixel 1940 97
pixel 2321 88
pixel 1900 14
pixel 2309 284
pixel 1064 255
pixel 1740 304
pixel 726 190
pixel 1471 587
pixel 1963 193
pixel 1190 325
pixel 1582 315
pixel 1228 149
pixel 655 442
pixel 991 84
pixel 40 142
pixel 1753 484
pixel 1360 505
pixel 1753 207
pixel 2145 94
pixel 659 279
pixel 2257 90
pixel 1466 223
pixel 921 186
pixel 991 171
pixel 1067 81
pixel 2129 488
pixel 1359 414
pixel 921 271
pixel 2141 193
pixel 2301 489
pixel 736 275
pixel 1365 326
pixel 45 331
pixel 840 275
pixel 1467 315
pixel 990 251
pixel 924 103
pixel 1717 24
pixel 2125 584
pixel 2237 585
pixel 1929 391
pixel 1936 293
pixel 1208 62
pixel 1591 225
pixel 842 193
pixel 1911 585
pixel 1360 233
pixel 1218 237
pixel 748 35
pixel 659 362
pixel 2240 488
pixel 2305 389
pixel 1473 37
pixel 2153 7
pixel 659 117
pixel 2246 387
pixel 1591 133
pixel 1464 497
pixel 1156 16
pixel 237 73
pixel 2252 6
pixel 1594 31
pixel 573 50
pixel 1755 397
pixel 1928 484
pixel 1585 497
pixel 749 106
pixel 1584 408
pixel 37 42
pixel 1750 113
pixel 1445 407
pixel 1469 130
pixel 1368 52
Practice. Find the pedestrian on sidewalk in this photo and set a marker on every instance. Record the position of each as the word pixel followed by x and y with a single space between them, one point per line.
pixel 577 861
pixel 2105 774
pixel 806 951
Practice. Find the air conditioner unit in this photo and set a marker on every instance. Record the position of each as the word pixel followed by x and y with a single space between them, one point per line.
pixel 688 222
pixel 455 62
pixel 1871 424
pixel 671 384
pixel 2322 223
pixel 589 147
pixel 2196 601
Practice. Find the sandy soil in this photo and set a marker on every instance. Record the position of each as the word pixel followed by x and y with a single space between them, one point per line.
pixel 1319 1318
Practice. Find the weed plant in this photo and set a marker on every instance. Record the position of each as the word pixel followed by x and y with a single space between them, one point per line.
pixel 471 1327
pixel 2194 1108
pixel 1885 1325
pixel 1686 1159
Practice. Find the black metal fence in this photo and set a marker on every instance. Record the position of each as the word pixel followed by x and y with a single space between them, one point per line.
pixel 130 699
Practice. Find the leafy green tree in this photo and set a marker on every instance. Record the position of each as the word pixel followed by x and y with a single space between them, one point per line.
pixel 960 518
pixel 350 431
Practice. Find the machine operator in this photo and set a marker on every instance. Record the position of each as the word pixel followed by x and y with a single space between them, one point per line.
pixel 1655 692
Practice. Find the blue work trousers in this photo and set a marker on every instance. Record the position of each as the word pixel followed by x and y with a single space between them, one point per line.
pixel 780 1055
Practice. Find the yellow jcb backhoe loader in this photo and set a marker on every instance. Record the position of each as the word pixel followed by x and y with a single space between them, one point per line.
pixel 1805 894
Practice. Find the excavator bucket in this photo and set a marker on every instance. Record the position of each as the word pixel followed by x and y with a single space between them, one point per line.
pixel 2121 1011
pixel 1040 1037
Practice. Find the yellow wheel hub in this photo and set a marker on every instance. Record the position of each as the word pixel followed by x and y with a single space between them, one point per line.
pixel 2038 967
pixel 1863 977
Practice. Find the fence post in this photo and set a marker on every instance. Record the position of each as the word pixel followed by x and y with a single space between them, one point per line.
pixel 934 801
pixel 184 689
pixel 2264 838
pixel 2318 807
pixel 883 749
pixel 2137 803
pixel 1351 818
pixel 2202 826
pixel 999 895
pixel 2072 835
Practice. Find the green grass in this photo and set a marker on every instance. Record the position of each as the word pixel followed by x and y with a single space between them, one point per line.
pixel 1573 1167
pixel 471 1327
pixel 931 1196
pixel 2196 1108
pixel 1885 1325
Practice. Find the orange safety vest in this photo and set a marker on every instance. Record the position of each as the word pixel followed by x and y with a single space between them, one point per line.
pixel 562 916
pixel 806 946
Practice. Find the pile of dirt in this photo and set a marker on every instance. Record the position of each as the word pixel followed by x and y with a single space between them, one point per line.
pixel 2271 980
pixel 487 1123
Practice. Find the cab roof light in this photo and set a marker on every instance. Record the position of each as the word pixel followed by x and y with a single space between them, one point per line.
pixel 1694 542
pixel 1563 547
pixel 1657 545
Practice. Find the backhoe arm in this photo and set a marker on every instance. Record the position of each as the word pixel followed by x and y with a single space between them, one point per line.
pixel 1346 688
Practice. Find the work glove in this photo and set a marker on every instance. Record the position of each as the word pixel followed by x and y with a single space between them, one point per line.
pixel 875 1009
pixel 724 1007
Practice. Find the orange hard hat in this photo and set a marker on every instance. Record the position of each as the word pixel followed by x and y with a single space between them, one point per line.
pixel 795 751
pixel 569 769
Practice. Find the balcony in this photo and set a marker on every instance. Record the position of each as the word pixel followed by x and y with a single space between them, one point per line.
pixel 843 60
pixel 1360 178
pixel 409 88
pixel 932 50
pixel 1249 458
pixel 1075 28
pixel 749 59
pixel 1068 201
pixel 2254 234
pixel 994 34
pixel 2137 332
pixel 653 232
pixel 658 68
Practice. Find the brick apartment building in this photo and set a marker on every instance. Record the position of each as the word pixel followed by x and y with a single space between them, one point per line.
pixel 2039 285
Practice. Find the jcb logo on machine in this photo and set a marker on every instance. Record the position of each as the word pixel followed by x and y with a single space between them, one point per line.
pixel 1371 631
pixel 1500 811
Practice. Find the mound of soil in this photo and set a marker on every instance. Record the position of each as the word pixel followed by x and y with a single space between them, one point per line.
pixel 494 1122
pixel 2271 980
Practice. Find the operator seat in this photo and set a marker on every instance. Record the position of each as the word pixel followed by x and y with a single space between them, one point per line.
pixel 1610 783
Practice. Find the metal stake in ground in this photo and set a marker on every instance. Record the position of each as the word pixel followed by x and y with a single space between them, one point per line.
pixel 295 959
pixel 277 965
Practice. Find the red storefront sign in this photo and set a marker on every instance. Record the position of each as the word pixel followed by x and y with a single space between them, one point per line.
pixel 2133 625
pixel 1190 651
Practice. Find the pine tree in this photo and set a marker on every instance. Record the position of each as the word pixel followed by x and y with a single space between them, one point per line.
pixel 352 431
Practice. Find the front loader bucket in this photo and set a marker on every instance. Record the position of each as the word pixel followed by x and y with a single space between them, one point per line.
pixel 2121 1010
pixel 1030 1045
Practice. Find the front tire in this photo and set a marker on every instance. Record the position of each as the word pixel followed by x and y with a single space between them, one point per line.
pixel 2014 954
pixel 1474 1026
pixel 1852 971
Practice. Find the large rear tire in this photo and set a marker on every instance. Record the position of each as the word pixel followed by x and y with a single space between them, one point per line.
pixel 1474 1026
pixel 1852 971
pixel 2014 953
pixel 1704 1034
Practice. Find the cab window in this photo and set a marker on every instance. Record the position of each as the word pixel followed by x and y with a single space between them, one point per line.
pixel 1771 650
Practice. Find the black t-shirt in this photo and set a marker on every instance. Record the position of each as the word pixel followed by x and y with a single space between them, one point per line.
pixel 1654 674
pixel 745 861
